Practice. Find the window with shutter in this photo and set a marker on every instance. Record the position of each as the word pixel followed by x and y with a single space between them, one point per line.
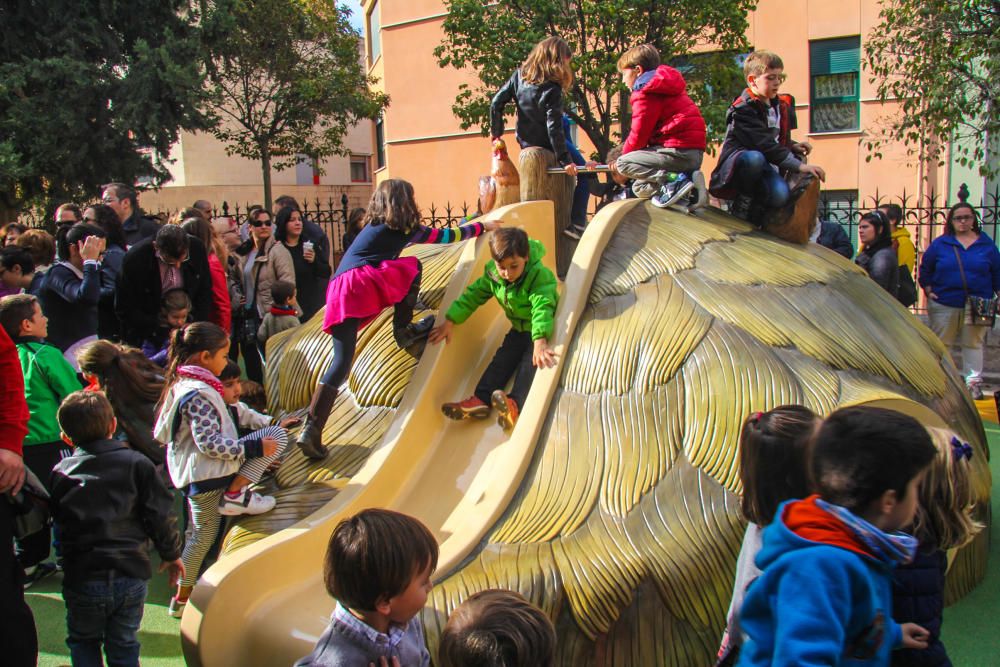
pixel 835 84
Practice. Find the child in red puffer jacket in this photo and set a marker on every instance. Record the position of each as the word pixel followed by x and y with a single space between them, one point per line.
pixel 666 143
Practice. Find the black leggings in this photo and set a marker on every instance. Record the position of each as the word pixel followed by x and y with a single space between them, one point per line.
pixel 345 340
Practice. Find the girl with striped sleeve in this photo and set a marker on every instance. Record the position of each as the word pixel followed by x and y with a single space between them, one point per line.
pixel 372 276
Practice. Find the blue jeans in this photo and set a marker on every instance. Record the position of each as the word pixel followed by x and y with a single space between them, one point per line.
pixel 104 610
pixel 754 177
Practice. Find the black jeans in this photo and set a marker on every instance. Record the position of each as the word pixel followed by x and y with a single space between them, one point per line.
pixel 17 626
pixel 513 358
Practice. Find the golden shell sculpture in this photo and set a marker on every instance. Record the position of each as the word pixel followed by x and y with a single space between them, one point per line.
pixel 624 524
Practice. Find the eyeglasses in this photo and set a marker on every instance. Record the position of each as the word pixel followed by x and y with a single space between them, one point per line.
pixel 84 220
pixel 963 218
pixel 779 78
pixel 110 200
pixel 260 223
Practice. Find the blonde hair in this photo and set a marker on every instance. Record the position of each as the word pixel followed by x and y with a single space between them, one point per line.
pixel 759 62
pixel 944 514
pixel 547 62
pixel 645 56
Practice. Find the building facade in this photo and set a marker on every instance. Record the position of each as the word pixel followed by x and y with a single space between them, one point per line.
pixel 820 41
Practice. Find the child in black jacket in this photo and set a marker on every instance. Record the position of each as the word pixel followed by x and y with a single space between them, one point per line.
pixel 758 150
pixel 109 502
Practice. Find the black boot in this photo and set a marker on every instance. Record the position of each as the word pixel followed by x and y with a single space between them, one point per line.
pixel 404 330
pixel 310 439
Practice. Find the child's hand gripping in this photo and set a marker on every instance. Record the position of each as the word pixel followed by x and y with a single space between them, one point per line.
pixel 815 170
pixel 543 356
pixel 492 225
pixel 914 636
pixel 175 571
pixel 270 446
pixel 289 422
pixel 441 332
pixel 382 662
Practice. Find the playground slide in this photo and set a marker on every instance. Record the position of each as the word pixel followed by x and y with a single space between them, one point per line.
pixel 267 604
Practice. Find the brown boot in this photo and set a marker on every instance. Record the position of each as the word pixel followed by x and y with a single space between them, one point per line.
pixel 310 439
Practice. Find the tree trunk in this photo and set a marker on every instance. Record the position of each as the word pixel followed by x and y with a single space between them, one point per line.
pixel 265 166
pixel 537 183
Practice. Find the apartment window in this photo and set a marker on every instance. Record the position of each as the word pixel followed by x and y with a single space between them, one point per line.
pixel 374 35
pixel 835 84
pixel 379 143
pixel 359 169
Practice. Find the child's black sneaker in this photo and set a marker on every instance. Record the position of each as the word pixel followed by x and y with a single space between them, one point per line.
pixel 33 575
pixel 740 207
pixel 506 408
pixel 471 407
pixel 574 231
pixel 413 332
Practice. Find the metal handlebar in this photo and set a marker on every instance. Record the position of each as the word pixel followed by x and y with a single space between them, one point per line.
pixel 596 169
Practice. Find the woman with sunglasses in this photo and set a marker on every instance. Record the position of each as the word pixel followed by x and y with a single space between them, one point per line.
pixel 960 263
pixel 265 261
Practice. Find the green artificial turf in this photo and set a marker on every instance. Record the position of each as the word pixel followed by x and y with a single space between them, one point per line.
pixel 969 631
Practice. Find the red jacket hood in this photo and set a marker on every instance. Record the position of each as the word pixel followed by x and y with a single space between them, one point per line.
pixel 666 81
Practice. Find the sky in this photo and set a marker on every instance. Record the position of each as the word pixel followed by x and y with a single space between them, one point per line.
pixel 356 16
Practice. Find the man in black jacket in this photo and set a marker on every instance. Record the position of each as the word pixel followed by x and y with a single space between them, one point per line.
pixel 831 235
pixel 108 502
pixel 152 267
pixel 125 202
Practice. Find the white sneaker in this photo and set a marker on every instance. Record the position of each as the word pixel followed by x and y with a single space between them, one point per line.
pixel 176 608
pixel 248 502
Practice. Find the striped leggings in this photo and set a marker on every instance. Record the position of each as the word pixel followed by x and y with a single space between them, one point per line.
pixel 204 507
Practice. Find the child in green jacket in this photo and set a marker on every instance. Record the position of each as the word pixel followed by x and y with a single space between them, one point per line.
pixel 48 379
pixel 526 290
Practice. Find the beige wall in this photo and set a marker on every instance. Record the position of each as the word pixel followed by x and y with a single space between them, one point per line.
pixel 424 143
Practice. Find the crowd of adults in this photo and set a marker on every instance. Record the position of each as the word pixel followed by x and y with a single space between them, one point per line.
pixel 959 274
pixel 108 267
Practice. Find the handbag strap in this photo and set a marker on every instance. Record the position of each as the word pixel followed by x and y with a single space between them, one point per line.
pixel 961 271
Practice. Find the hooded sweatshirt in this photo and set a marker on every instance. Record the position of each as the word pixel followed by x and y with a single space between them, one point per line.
pixel 662 113
pixel 824 598
pixel 905 250
pixel 529 302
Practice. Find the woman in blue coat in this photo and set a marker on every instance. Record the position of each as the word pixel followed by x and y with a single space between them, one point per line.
pixel 963 248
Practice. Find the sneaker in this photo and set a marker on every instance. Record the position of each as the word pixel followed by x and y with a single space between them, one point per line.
pixel 506 410
pixel 414 332
pixel 671 193
pixel 740 207
pixel 247 502
pixel 176 608
pixel 976 391
pixel 699 195
pixel 35 573
pixel 574 231
pixel 470 407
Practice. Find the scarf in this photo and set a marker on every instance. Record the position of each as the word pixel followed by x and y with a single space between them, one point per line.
pixel 895 547
pixel 283 310
pixel 202 374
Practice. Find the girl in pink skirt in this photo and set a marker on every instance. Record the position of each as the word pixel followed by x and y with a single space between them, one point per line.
pixel 373 276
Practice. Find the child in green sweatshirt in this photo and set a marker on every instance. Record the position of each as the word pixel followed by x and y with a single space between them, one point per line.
pixel 526 290
pixel 48 379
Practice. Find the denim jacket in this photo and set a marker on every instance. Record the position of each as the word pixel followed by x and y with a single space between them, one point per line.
pixel 349 642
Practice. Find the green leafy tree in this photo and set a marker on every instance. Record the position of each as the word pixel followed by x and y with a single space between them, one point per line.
pixel 940 61
pixel 89 90
pixel 494 38
pixel 285 80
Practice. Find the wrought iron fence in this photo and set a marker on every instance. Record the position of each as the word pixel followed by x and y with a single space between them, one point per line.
pixel 333 218
pixel 925 215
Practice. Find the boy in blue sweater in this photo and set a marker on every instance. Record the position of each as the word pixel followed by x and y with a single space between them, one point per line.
pixel 825 595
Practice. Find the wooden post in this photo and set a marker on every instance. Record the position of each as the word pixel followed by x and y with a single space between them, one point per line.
pixel 536 184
